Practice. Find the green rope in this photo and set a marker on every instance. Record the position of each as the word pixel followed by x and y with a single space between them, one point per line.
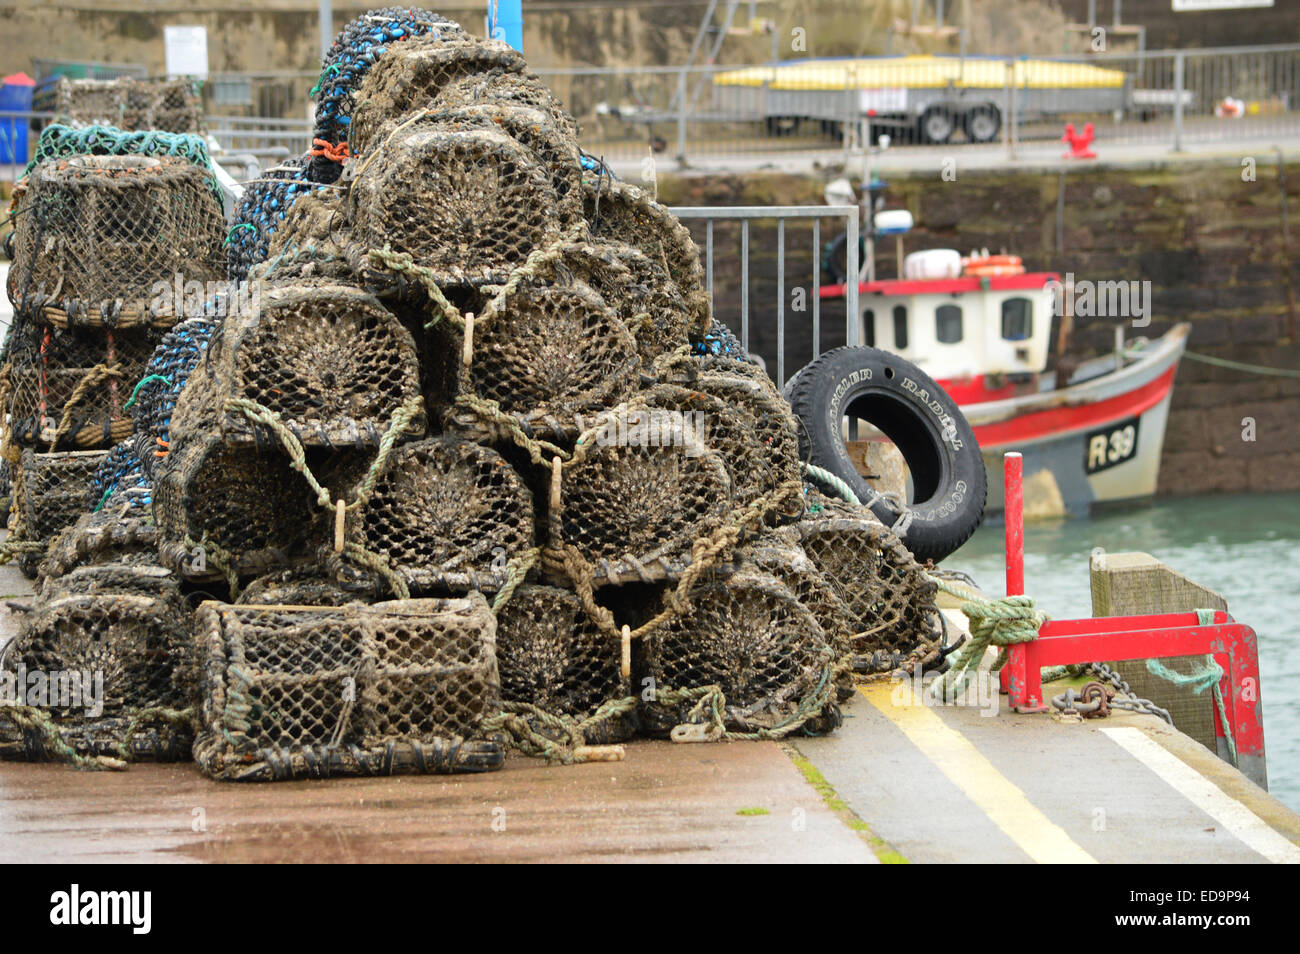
pixel 830 480
pixel 516 572
pixel 34 719
pixel 710 708
pixel 230 236
pixel 1209 675
pixel 143 381
pixel 998 622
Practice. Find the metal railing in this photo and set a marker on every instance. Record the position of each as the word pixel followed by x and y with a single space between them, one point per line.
pixel 746 216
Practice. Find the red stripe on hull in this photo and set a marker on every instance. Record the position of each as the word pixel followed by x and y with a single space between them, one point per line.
pixel 944 286
pixel 1060 420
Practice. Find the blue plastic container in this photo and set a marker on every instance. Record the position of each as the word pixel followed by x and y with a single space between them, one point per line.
pixel 15 97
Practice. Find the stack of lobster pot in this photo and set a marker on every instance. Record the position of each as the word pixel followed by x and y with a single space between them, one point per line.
pixel 106 250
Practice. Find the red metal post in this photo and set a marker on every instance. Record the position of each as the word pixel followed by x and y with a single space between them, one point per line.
pixel 1014 672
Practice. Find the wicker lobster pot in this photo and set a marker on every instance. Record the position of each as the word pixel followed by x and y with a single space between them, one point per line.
pixel 248 510
pixel 896 618
pixel 113 534
pixel 412 75
pixel 312 692
pixel 468 203
pixel 99 233
pixel 751 638
pixel 136 652
pixel 447 514
pixel 552 656
pixel 500 86
pixel 620 212
pixel 129 103
pixel 327 359
pixel 641 488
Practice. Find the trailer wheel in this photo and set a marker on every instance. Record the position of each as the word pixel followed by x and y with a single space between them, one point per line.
pixel 983 123
pixel 948 478
pixel 937 125
pixel 780 126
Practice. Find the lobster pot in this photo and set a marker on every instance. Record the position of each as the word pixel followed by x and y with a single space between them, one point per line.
pixel 108 660
pixel 751 428
pixel 113 579
pixel 51 491
pixel 309 243
pixel 648 301
pixel 886 590
pixel 638 493
pixel 359 47
pixel 268 201
pixel 243 507
pixel 448 515
pixel 751 638
pixel 166 374
pixel 128 103
pixel 396 688
pixel 552 656
pixel 620 212
pixel 503 87
pixel 326 359
pixel 71 387
pixel 468 204
pixel 100 233
pixel 412 74
pixel 112 534
pixel 549 354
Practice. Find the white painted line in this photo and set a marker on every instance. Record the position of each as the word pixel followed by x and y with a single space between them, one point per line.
pixel 1207 796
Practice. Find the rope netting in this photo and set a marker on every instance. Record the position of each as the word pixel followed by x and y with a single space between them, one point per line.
pixel 169 105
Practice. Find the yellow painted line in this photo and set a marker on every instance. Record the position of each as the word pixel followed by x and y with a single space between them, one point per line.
pixel 953 754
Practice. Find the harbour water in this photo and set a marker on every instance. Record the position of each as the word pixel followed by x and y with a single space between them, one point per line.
pixel 1244 546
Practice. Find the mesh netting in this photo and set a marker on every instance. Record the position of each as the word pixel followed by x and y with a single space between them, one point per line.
pixel 357 48
pixel 640 489
pixel 51 491
pixel 130 654
pixel 505 87
pixel 138 104
pixel 749 638
pixel 552 656
pixel 412 75
pixel 71 386
pixel 449 513
pixel 303 586
pixel 620 212
pixel 896 619
pixel 749 425
pixel 549 353
pixel 331 363
pixel 267 200
pixel 467 203
pixel 310 242
pixel 59 142
pixel 166 374
pixel 388 689
pixel 103 240
pixel 116 533
pixel 247 510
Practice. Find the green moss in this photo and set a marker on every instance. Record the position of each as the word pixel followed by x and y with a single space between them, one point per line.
pixel 882 849
pixel 752 811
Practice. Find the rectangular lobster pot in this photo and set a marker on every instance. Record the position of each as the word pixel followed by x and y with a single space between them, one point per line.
pixel 400 687
pixel 132 649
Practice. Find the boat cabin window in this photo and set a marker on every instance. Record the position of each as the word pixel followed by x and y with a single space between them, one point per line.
pixel 1017 319
pixel 900 327
pixel 947 324
pixel 869 327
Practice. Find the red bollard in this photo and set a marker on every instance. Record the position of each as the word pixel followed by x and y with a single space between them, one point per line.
pixel 1014 673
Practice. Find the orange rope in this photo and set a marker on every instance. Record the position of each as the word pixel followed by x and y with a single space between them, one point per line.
pixel 339 153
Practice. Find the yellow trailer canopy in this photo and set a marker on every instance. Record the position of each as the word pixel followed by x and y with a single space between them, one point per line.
pixel 921 71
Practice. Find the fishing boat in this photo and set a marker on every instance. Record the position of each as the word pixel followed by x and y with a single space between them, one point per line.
pixel 981 326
